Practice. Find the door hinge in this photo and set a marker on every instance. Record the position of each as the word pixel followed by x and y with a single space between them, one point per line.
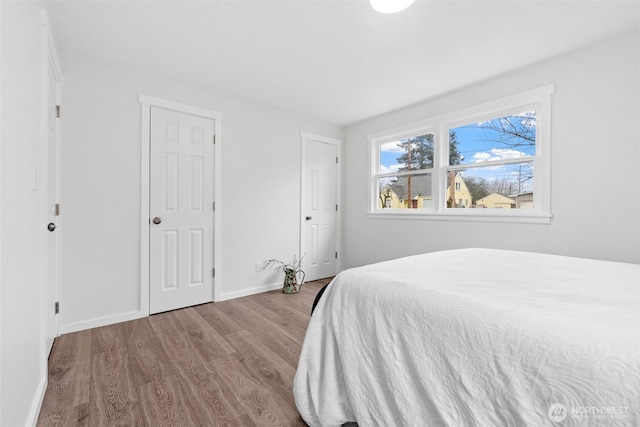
pixel 214 272
pixel 336 159
pixel 56 209
pixel 57 307
pixel 57 111
pixel 336 206
pixel 214 206
pixel 336 255
pixel 214 139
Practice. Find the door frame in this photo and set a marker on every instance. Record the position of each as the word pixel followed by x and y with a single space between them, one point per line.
pixel 49 59
pixel 146 102
pixel 305 137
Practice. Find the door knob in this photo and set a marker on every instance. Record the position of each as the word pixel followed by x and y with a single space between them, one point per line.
pixel 157 220
pixel 308 218
pixel 51 226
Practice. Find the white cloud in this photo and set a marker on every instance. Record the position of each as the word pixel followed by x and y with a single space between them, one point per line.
pixel 384 182
pixel 497 154
pixel 482 156
pixel 390 169
pixel 391 147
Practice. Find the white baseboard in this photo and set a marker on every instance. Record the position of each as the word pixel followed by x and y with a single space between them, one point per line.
pixel 132 315
pixel 124 317
pixel 102 321
pixel 246 292
pixel 36 405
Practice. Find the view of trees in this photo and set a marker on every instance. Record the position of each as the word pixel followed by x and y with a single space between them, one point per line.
pixel 511 135
pixel 418 152
pixel 384 196
pixel 478 187
pixel 515 131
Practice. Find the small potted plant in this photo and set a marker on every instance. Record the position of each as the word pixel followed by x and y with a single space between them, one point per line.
pixel 291 272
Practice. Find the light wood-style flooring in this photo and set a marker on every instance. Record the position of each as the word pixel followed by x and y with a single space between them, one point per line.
pixel 229 363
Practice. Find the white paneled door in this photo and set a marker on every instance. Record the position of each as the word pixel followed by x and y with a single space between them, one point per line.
pixel 52 210
pixel 181 210
pixel 319 207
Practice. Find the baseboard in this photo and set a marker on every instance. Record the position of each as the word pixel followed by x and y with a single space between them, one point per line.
pixel 101 321
pixel 36 405
pixel 246 292
pixel 110 320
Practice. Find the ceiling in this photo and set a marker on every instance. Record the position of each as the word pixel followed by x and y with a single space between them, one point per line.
pixel 336 61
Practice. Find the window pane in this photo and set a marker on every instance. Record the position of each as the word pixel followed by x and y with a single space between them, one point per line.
pixel 413 153
pixel 405 192
pixel 493 187
pixel 507 137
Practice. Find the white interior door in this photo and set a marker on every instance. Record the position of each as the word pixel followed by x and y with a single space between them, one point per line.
pixel 319 207
pixel 181 209
pixel 52 212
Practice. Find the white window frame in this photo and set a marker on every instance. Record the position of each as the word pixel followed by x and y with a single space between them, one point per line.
pixel 415 129
pixel 538 99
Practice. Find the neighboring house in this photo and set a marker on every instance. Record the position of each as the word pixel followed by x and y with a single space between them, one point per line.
pixel 396 194
pixel 420 192
pixel 524 200
pixel 461 196
pixel 496 201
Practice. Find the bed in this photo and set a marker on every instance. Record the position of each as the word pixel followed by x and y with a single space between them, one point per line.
pixel 475 337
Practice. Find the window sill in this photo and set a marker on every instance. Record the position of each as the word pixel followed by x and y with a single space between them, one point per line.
pixel 466 216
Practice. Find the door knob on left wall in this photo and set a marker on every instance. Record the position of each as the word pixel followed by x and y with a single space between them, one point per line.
pixel 51 226
pixel 157 220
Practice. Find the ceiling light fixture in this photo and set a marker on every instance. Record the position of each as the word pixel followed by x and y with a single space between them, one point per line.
pixel 390 6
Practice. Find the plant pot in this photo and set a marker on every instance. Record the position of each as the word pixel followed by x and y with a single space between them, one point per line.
pixel 291 285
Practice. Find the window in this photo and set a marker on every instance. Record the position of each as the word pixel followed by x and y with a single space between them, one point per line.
pixel 495 159
pixel 489 161
pixel 404 172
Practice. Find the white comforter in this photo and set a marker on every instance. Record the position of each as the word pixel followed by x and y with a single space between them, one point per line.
pixel 475 337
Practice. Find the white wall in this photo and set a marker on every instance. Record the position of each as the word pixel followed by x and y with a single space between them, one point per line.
pixel 23 363
pixel 595 170
pixel 259 204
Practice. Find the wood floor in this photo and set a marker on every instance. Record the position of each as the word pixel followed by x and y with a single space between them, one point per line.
pixel 229 363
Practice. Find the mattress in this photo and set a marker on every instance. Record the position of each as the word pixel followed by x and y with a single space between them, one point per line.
pixel 475 337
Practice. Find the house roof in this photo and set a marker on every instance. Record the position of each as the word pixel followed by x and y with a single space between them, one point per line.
pixel 496 197
pixel 420 186
pixel 336 61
